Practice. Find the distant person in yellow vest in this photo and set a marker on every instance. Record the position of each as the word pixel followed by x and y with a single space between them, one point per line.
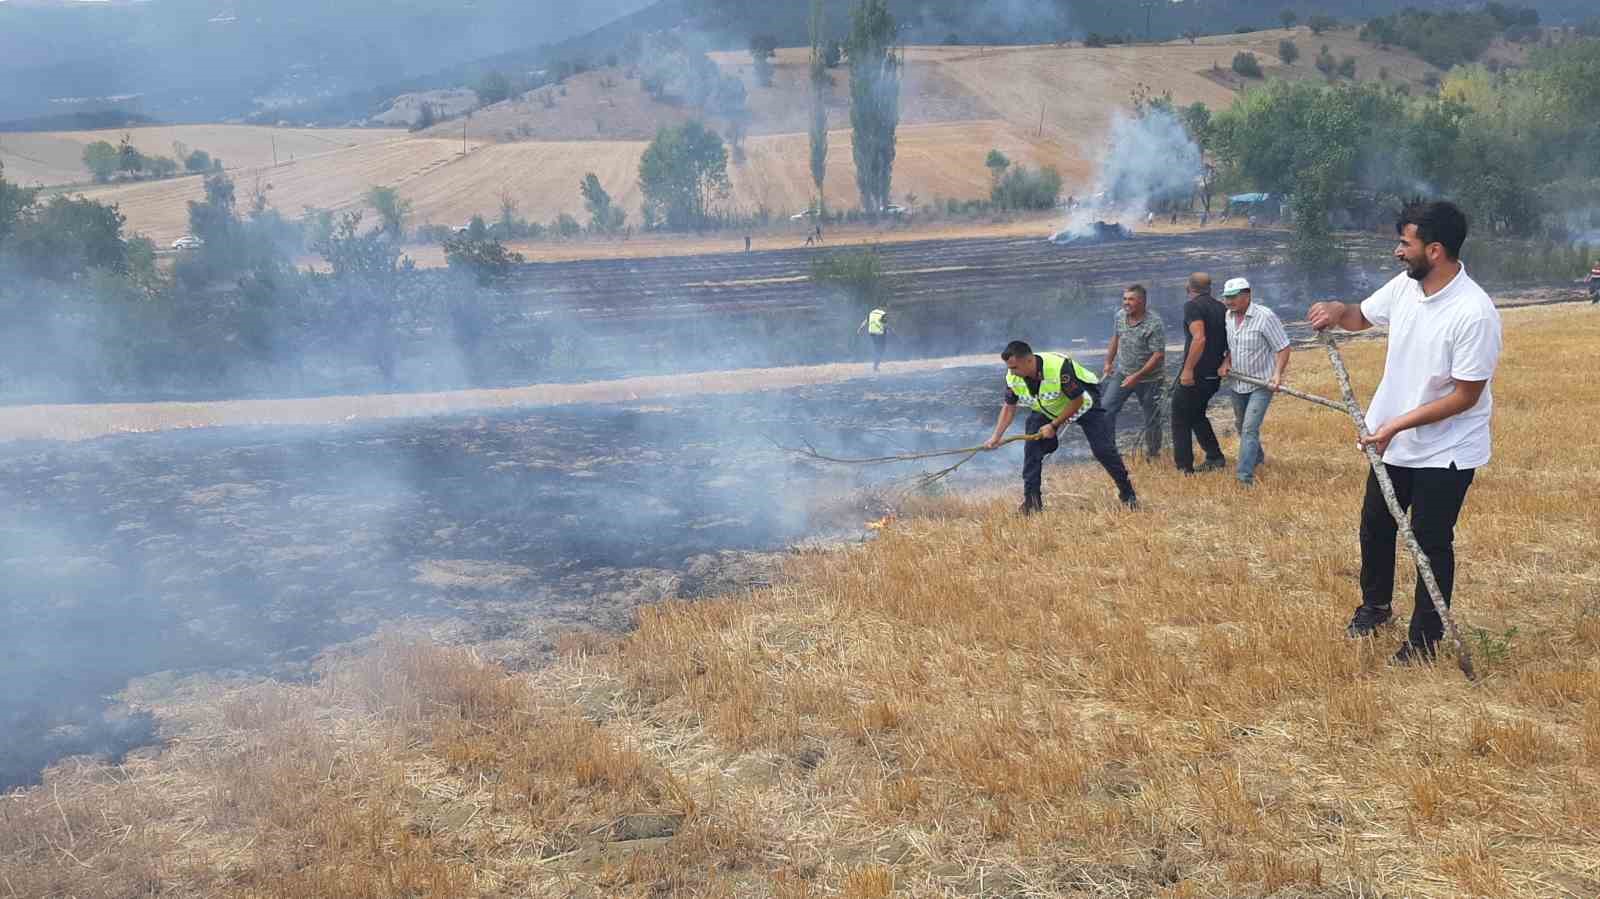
pixel 1057 391
pixel 877 327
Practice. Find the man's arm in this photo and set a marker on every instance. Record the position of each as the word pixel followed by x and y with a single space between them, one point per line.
pixel 1197 347
pixel 1111 355
pixel 1463 397
pixel 1333 314
pixel 1062 419
pixel 1156 360
pixel 1282 367
pixel 1008 414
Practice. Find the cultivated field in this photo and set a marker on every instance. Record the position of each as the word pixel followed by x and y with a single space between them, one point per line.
pixel 56 157
pixel 1168 708
pixel 1040 105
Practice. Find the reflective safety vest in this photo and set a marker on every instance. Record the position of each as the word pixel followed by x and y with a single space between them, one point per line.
pixel 875 321
pixel 1052 401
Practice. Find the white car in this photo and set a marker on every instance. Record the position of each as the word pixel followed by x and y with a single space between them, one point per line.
pixel 188 242
pixel 802 216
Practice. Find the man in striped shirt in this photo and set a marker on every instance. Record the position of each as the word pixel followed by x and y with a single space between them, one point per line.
pixel 1259 347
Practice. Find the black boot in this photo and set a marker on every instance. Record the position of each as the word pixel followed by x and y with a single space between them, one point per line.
pixel 1031 503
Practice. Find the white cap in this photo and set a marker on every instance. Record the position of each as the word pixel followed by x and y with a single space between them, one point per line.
pixel 1235 285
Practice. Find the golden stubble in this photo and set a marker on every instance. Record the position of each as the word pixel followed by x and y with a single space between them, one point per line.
pixel 1091 703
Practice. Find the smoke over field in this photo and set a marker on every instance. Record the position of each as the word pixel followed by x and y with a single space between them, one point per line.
pixel 253 549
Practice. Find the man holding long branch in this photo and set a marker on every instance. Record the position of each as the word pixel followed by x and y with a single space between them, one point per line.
pixel 1057 391
pixel 1430 416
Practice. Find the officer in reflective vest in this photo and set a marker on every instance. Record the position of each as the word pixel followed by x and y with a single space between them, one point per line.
pixel 1056 390
pixel 877 328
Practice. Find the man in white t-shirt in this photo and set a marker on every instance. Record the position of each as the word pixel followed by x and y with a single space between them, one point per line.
pixel 1430 416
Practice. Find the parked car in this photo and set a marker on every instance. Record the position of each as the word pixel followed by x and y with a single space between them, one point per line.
pixel 894 209
pixel 802 216
pixel 188 242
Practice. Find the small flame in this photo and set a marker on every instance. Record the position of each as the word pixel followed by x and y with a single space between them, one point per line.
pixel 881 523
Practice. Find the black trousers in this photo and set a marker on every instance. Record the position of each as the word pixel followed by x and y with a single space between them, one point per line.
pixel 1434 497
pixel 1096 425
pixel 1189 422
pixel 880 342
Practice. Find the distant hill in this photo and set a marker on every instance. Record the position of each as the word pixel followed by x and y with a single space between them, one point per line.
pixel 729 25
pixel 208 60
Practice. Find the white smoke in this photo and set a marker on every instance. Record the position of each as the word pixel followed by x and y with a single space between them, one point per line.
pixel 1147 161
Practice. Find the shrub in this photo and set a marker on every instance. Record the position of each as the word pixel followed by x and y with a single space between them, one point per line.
pixel 1247 65
pixel 1020 188
pixel 1288 51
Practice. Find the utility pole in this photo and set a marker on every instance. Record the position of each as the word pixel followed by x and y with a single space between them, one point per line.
pixel 464 120
pixel 1041 118
pixel 274 151
pixel 1149 7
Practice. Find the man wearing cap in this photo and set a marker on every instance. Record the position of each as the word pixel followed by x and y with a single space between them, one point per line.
pixel 1259 347
pixel 1056 390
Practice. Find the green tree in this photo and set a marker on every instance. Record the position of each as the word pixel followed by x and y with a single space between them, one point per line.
pixel 762 48
pixel 366 270
pixel 1246 64
pixel 392 210
pixel 1020 188
pixel 129 159
pixel 1288 52
pixel 874 100
pixel 680 173
pixel 604 215
pixel 997 163
pixel 69 236
pixel 1321 23
pixel 1307 141
pixel 493 88
pixel 15 200
pixel 101 159
pixel 487 259
pixel 427 117
pixel 821 88
pixel 1288 17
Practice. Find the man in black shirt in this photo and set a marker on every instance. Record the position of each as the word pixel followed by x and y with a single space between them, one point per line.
pixel 1205 342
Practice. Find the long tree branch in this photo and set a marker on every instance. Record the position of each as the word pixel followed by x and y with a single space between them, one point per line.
pixel 1424 567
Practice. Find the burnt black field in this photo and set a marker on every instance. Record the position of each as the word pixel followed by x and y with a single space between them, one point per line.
pixel 252 549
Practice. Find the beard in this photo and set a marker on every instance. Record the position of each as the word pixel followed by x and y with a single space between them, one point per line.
pixel 1418 270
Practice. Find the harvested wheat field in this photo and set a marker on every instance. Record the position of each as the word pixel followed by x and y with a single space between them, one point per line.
pixel 56 157
pixel 334 180
pixel 1150 704
pixel 1041 105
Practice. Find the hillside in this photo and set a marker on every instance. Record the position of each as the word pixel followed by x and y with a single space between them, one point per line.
pixel 959 102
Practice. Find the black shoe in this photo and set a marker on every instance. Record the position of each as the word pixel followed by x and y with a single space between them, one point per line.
pixel 1213 465
pixel 1367 619
pixel 1130 502
pixel 1030 505
pixel 1413 654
